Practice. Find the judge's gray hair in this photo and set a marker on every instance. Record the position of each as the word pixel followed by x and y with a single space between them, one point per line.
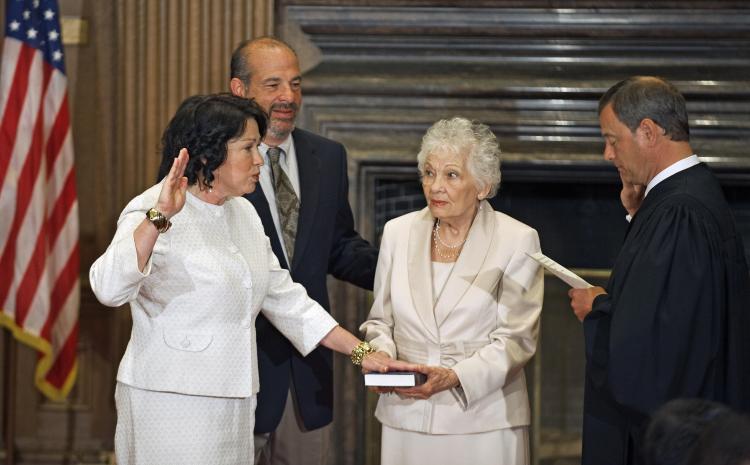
pixel 640 97
pixel 463 137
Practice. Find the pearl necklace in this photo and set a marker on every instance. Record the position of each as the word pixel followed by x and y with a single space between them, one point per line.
pixel 454 250
pixel 436 233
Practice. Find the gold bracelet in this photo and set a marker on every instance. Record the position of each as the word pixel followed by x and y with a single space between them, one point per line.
pixel 160 221
pixel 362 350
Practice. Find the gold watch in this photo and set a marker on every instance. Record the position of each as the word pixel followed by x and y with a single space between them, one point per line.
pixel 159 220
pixel 361 351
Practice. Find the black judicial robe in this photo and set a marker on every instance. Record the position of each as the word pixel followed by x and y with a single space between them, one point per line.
pixel 674 321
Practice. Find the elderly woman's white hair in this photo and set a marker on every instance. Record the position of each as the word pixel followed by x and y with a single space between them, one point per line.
pixel 462 137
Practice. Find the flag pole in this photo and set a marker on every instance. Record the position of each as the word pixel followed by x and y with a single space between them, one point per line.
pixel 9 410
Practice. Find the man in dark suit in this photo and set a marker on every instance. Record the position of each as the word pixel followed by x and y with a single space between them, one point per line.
pixel 303 203
pixel 674 319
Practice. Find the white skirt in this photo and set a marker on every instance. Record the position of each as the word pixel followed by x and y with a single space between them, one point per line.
pixel 165 428
pixel 508 446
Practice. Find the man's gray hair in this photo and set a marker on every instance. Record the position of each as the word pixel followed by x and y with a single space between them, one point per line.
pixel 463 137
pixel 640 97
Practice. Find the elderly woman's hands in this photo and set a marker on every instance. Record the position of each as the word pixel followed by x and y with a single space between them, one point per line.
pixel 381 362
pixel 172 195
pixel 438 379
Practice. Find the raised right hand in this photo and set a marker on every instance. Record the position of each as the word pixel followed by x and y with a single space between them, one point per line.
pixel 173 190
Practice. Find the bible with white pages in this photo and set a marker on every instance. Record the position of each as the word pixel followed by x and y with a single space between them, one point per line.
pixel 395 379
pixel 570 278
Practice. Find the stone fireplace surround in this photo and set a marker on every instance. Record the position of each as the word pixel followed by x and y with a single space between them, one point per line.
pixel 577 212
pixel 378 73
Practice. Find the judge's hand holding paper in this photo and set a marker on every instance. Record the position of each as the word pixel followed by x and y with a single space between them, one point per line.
pixel 582 299
pixel 582 293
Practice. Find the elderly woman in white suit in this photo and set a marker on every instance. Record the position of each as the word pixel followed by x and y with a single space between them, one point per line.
pixel 456 293
pixel 192 260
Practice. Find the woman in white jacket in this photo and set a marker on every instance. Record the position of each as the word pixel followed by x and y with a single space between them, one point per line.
pixel 192 260
pixel 456 292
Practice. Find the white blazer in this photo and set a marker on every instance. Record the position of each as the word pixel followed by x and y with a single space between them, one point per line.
pixel 195 303
pixel 484 325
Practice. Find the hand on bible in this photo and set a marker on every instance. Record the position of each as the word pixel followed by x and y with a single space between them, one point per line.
pixel 381 362
pixel 438 379
pixel 582 299
pixel 631 196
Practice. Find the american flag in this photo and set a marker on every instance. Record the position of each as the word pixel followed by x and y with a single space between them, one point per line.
pixel 39 289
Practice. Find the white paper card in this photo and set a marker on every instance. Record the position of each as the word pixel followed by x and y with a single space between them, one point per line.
pixel 570 278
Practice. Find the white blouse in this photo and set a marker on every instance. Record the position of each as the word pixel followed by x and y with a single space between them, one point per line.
pixel 440 273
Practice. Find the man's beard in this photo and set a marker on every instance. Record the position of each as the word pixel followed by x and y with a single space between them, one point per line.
pixel 280 131
pixel 281 128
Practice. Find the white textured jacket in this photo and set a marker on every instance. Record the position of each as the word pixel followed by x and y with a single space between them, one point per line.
pixel 195 303
pixel 484 325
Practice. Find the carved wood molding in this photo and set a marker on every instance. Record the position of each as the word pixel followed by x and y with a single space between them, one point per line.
pixel 639 4
pixel 521 22
pixel 386 72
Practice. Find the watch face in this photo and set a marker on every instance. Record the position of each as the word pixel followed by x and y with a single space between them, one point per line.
pixel 158 219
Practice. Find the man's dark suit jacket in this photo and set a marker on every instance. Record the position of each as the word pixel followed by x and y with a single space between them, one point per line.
pixel 326 243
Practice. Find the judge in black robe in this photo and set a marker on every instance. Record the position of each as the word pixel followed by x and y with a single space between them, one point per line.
pixel 674 319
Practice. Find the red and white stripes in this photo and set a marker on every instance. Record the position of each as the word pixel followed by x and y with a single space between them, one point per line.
pixel 39 256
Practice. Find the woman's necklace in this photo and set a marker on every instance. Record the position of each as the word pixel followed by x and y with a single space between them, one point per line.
pixel 436 232
pixel 453 250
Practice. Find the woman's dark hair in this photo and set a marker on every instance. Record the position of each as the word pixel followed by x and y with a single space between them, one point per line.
pixel 204 124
